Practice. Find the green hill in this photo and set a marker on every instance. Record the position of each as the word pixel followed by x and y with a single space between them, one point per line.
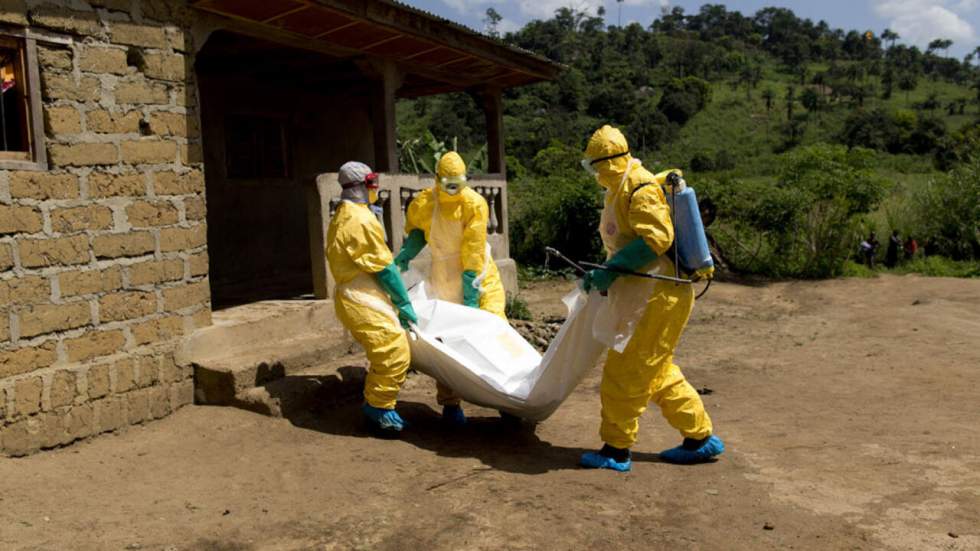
pixel 735 100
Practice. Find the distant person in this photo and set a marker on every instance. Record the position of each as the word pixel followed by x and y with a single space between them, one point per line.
pixel 637 232
pixel 870 249
pixel 894 245
pixel 911 247
pixel 370 298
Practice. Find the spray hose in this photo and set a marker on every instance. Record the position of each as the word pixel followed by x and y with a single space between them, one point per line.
pixel 581 266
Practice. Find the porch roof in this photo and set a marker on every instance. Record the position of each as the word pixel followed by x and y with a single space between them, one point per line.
pixel 440 55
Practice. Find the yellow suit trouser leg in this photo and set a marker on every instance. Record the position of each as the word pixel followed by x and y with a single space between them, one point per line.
pixel 493 300
pixel 386 346
pixel 645 372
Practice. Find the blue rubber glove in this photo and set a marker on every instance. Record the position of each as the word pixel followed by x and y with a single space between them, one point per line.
pixel 391 281
pixel 471 292
pixel 635 255
pixel 413 245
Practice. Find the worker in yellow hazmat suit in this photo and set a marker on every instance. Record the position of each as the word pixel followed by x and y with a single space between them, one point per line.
pixel 370 298
pixel 637 232
pixel 451 219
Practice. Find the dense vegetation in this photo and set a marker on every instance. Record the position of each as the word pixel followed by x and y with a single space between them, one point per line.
pixel 804 137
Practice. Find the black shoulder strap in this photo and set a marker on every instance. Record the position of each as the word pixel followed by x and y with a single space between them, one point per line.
pixel 638 188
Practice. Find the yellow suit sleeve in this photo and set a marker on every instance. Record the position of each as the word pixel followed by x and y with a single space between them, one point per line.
pixel 415 218
pixel 473 248
pixel 365 243
pixel 649 218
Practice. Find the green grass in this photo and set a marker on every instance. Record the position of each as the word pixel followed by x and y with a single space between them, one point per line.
pixel 930 266
pixel 937 266
pixel 853 269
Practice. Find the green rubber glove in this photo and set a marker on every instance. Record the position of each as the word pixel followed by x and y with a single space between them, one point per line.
pixel 414 243
pixel 471 293
pixel 391 281
pixel 635 255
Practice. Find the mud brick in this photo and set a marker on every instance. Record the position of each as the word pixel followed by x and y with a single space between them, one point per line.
pixel 106 122
pixel 116 185
pixel 76 219
pixel 94 344
pixel 63 388
pixel 62 120
pixel 181 239
pixel 61 251
pixel 25 290
pixel 90 281
pixel 149 152
pixel 18 219
pixel 56 86
pixel 186 296
pixel 169 183
pixel 98 381
pixel 83 154
pixel 43 185
pixel 48 318
pixel 27 395
pixel 27 359
pixel 123 244
pixel 144 214
pixel 96 59
pixel 156 271
pixel 127 306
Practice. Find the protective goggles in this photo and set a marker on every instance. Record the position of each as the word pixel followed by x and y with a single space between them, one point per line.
pixel 452 184
pixel 370 181
pixel 587 164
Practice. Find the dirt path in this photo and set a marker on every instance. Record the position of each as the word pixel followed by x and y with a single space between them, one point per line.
pixel 850 409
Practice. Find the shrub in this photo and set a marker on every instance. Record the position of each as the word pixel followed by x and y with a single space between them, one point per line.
pixel 949 211
pixel 683 98
pixel 516 308
pixel 558 205
pixel 803 224
pixel 701 162
pixel 854 269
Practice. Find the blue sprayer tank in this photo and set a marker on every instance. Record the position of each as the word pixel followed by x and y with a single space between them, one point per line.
pixel 692 244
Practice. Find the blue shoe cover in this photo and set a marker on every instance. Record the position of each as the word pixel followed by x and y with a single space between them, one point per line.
pixel 710 448
pixel 384 419
pixel 595 460
pixel 453 415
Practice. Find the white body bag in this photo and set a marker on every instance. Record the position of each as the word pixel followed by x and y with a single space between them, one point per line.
pixel 488 363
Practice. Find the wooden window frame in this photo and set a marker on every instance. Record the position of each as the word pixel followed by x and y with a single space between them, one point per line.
pixel 37 156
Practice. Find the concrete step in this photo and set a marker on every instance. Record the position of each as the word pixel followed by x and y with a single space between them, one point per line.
pixel 220 380
pixel 322 385
pixel 244 328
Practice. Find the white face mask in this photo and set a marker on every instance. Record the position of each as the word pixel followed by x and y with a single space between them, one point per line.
pixel 587 165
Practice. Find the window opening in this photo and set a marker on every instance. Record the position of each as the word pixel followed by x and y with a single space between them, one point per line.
pixel 15 134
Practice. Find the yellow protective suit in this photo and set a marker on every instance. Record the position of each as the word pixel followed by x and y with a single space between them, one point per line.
pixel 356 250
pixel 455 228
pixel 645 370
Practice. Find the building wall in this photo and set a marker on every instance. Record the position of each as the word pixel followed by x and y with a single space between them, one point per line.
pixel 103 258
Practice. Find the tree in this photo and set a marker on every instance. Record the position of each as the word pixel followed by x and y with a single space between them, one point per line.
pixel 887 82
pixel 790 101
pixel 939 44
pixel 750 76
pixel 793 126
pixel 890 36
pixel 491 21
pixel 907 82
pixel 976 86
pixel 810 100
pixel 802 72
pixel 769 96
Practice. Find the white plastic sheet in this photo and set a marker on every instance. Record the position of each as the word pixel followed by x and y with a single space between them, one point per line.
pixel 488 363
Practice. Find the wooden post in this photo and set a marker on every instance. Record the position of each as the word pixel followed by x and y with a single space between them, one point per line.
pixel 491 101
pixel 387 79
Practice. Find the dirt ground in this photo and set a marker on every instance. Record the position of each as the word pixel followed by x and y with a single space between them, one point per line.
pixel 850 408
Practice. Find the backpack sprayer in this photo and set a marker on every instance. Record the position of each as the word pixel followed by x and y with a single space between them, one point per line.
pixel 690 249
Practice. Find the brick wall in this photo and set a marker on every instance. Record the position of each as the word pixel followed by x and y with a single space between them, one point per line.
pixel 103 258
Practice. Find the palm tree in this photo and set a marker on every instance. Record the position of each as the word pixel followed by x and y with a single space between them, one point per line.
pixel 890 36
pixel 940 44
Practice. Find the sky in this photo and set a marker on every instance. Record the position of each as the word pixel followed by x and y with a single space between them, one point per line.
pixel 916 21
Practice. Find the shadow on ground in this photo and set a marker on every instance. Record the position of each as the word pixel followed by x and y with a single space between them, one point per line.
pixel 497 443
